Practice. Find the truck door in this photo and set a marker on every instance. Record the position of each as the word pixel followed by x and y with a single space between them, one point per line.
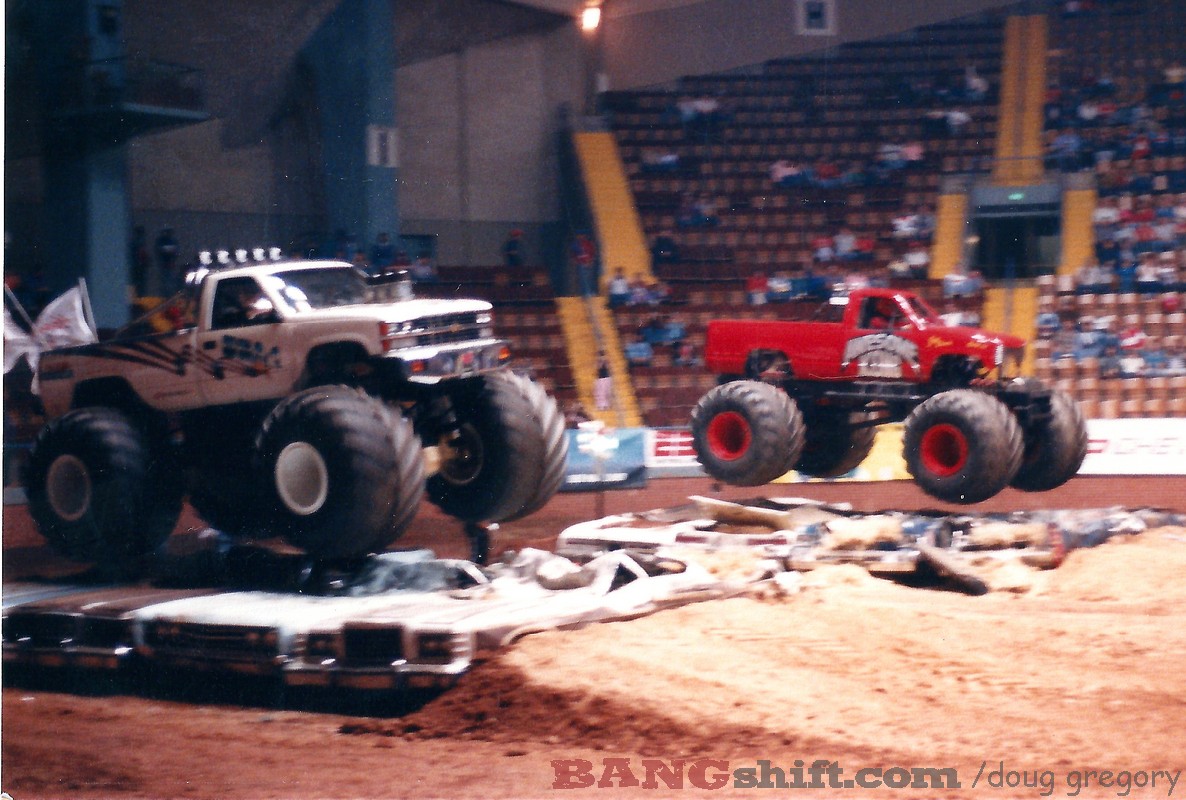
pixel 155 354
pixel 240 344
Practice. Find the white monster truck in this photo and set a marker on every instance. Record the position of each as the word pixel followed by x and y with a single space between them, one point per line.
pixel 299 399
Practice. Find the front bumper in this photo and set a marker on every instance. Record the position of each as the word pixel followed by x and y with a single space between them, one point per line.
pixel 396 676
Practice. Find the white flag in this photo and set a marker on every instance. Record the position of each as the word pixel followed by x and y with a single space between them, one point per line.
pixel 17 343
pixel 63 323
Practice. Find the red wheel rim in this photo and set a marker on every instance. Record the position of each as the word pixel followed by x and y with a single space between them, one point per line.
pixel 944 450
pixel 729 436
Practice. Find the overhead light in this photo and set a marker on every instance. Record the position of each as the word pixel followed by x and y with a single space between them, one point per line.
pixel 590 18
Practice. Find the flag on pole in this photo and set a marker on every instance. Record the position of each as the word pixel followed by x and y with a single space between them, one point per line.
pixel 17 343
pixel 63 322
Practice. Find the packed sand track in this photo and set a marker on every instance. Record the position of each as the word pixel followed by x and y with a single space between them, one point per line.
pixel 1051 681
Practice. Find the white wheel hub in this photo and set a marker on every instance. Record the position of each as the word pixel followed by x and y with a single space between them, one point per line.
pixel 302 479
pixel 68 487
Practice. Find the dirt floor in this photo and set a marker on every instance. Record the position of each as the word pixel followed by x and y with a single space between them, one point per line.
pixel 1052 681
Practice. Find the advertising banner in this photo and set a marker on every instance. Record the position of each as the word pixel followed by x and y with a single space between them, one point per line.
pixel 1135 447
pixel 605 458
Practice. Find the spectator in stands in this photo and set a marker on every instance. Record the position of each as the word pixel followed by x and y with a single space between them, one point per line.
pixel 665 250
pixel 1064 151
pixel 1155 360
pixel 1109 363
pixel 924 222
pixel 619 289
pixel 1148 279
pixel 889 156
pixel 1048 324
pixel 382 252
pixel 512 250
pixel 857 279
pixel 918 259
pixel 1167 271
pixel 1092 278
pixel 686 355
pixel 1175 361
pixel 575 414
pixel 1132 338
pixel 952 316
pixel 639 352
pixel 845 245
pixel 756 288
pixel 603 386
pixel 1064 342
pixel 975 85
pixel 583 252
pixel 640 294
pixel 957 120
pixel 655 160
pixel 1175 73
pixel 1132 365
pixel 1090 341
pixel 962 282
pixel 788 173
pixel 866 247
pixel 827 173
pixel 905 225
pixel 660 292
pixel 913 153
pixel 167 250
pixel 423 270
pixel 823 248
pixel 778 287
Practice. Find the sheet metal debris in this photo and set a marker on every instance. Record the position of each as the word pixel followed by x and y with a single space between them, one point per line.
pixel 802 534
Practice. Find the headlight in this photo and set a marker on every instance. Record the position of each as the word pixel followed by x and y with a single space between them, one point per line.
pixel 435 647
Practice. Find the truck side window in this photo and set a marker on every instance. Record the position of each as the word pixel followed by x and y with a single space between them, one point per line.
pixel 239 302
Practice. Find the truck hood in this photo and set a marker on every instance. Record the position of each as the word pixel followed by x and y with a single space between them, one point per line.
pixel 394 312
pixel 975 336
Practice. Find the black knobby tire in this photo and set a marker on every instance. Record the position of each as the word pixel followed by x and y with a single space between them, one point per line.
pixel 1055 451
pixel 747 433
pixel 102 490
pixel 833 445
pixel 550 420
pixel 339 473
pixel 962 446
pixel 511 452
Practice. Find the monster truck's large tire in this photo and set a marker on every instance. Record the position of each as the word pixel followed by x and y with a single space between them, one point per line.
pixel 340 473
pixel 1055 451
pixel 747 433
pixel 509 458
pixel 834 445
pixel 962 446
pixel 100 489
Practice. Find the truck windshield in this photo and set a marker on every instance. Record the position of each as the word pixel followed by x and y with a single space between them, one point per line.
pixel 925 313
pixel 312 289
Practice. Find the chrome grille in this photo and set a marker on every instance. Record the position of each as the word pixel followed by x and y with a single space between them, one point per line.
pixel 445 328
pixel 367 646
pixel 105 632
pixel 40 630
pixel 212 640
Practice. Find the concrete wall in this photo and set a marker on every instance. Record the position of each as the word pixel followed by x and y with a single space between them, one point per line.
pixel 644 48
pixel 477 150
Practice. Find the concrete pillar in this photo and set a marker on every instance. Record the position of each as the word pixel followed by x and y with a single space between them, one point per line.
pixel 86 207
pixel 352 60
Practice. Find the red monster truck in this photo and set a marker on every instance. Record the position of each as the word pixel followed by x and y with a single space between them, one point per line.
pixel 807 395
